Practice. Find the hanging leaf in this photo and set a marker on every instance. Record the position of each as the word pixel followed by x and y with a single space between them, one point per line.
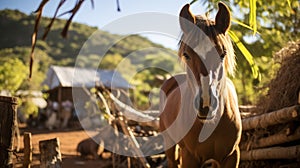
pixel 252 18
pixel 247 55
pixel 289 3
pixel 243 25
pixel 73 12
pixel 34 34
pixel 193 1
pixel 47 29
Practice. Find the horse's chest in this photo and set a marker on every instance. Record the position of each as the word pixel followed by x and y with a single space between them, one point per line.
pixel 217 146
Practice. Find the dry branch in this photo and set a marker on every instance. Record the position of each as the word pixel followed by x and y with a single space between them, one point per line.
pixel 132 114
pixel 133 141
pixel 272 153
pixel 277 117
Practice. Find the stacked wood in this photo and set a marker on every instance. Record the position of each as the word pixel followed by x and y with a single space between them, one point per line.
pixel 119 118
pixel 273 118
pixel 273 146
pixel 292 152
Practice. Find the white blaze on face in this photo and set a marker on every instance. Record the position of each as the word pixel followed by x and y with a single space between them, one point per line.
pixel 205 90
pixel 201 49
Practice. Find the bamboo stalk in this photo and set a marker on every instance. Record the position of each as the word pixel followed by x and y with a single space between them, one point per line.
pixel 272 153
pixel 277 117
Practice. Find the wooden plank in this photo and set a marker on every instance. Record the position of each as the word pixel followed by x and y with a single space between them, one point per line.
pixel 8 116
pixel 292 152
pixel 277 117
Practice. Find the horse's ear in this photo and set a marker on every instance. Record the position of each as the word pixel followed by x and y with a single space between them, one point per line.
pixel 185 17
pixel 223 18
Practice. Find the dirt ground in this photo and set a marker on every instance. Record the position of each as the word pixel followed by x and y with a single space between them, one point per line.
pixel 69 138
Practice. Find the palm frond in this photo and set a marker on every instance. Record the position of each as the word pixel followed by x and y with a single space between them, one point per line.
pixel 247 55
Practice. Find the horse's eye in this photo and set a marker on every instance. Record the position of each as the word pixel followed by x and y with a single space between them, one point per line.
pixel 186 56
pixel 222 56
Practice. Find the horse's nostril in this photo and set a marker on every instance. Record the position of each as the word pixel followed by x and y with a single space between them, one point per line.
pixel 202 111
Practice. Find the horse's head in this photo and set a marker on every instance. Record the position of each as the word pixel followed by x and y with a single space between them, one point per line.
pixel 207 53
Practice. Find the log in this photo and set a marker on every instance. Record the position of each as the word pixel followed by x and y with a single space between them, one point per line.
pixel 50 153
pixel 292 152
pixel 277 117
pixel 272 140
pixel 27 150
pixel 8 116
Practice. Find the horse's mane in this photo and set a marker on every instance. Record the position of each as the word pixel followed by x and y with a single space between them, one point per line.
pixel 220 40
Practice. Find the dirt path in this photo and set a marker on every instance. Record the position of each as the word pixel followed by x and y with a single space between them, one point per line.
pixel 68 143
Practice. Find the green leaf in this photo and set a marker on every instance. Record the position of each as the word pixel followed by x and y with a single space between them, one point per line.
pixel 289 3
pixel 247 55
pixel 252 18
pixel 243 25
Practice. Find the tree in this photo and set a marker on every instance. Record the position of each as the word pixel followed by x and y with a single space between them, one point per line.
pixel 11 74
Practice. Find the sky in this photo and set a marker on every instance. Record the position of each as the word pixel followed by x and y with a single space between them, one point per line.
pixel 105 13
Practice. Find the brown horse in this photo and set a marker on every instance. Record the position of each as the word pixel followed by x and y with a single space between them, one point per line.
pixel 199 109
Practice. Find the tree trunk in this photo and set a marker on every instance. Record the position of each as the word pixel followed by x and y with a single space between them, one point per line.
pixel 272 153
pixel 277 117
pixel 50 153
pixel 8 116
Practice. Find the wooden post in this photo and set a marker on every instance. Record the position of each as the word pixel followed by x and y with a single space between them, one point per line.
pixel 8 115
pixel 59 100
pixel 27 150
pixel 50 153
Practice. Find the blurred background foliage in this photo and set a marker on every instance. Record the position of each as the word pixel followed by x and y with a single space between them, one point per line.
pixel 276 23
pixel 272 25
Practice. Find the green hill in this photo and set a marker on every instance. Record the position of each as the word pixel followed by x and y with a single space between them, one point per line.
pixel 17 27
pixel 15 47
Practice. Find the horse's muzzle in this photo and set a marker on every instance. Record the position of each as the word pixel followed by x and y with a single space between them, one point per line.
pixel 202 112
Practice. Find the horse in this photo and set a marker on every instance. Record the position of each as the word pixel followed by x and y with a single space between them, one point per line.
pixel 199 108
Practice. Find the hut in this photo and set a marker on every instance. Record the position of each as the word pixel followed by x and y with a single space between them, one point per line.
pixel 73 83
